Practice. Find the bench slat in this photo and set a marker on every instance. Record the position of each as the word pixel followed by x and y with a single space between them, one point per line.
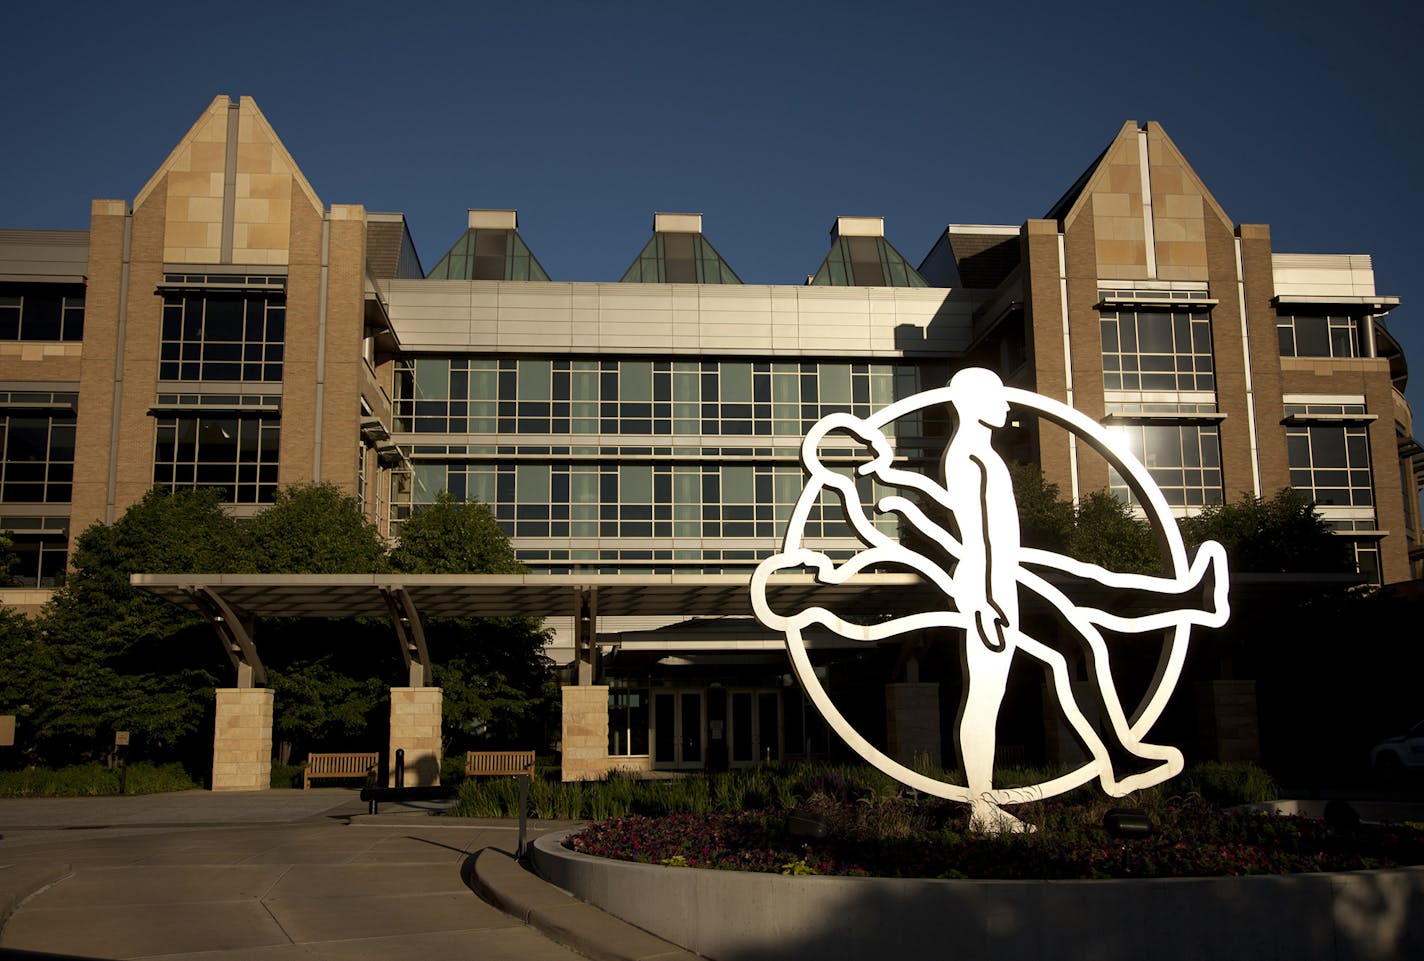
pixel 338 765
pixel 498 763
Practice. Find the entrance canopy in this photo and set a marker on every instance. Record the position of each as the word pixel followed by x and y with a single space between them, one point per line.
pixel 507 595
pixel 231 602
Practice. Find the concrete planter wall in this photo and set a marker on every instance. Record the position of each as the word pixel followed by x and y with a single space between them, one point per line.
pixel 743 916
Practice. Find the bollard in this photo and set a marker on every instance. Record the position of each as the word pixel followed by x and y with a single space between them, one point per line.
pixel 400 767
pixel 523 813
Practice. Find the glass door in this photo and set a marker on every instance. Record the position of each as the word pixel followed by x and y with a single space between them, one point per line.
pixel 679 729
pixel 754 727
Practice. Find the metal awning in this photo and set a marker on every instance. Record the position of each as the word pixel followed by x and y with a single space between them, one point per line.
pixel 506 595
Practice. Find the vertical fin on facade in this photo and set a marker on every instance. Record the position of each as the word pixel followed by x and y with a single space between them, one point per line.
pixel 489 249
pixel 678 253
pixel 860 256
pixel 228 187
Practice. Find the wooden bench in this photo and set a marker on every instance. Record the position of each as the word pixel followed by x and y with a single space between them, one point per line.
pixel 499 763
pixel 338 765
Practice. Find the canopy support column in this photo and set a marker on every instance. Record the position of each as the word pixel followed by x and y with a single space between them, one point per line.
pixel 586 636
pixel 234 634
pixel 410 635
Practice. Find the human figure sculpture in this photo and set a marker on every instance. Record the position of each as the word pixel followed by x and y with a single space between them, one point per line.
pixel 990 566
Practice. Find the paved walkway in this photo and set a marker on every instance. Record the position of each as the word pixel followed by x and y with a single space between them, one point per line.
pixel 272 876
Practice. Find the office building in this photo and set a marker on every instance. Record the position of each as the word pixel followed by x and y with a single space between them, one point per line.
pixel 226 328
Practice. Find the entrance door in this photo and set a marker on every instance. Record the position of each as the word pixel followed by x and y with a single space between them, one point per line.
pixel 679 729
pixel 755 727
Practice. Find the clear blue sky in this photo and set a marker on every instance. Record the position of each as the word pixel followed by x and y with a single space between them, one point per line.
pixel 768 118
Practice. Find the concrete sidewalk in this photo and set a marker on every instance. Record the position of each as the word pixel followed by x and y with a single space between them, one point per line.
pixel 277 875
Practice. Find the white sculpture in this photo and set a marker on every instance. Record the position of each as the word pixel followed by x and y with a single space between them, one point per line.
pixel 990 568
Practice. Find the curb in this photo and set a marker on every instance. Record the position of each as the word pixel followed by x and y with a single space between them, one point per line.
pixel 499 879
pixel 19 882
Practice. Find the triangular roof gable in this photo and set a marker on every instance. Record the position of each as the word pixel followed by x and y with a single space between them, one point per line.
pixel 1124 151
pixel 211 127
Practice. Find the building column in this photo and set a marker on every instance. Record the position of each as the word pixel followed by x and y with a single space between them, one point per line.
pixel 1227 720
pixel 242 739
pixel 912 723
pixel 415 728
pixel 585 732
pixel 1060 742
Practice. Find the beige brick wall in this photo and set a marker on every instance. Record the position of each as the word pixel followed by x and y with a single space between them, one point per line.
pixel 242 739
pixel 415 727
pixel 912 728
pixel 1227 720
pixel 585 732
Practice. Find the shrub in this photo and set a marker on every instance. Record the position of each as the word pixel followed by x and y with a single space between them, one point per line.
pixel 1227 782
pixel 94 780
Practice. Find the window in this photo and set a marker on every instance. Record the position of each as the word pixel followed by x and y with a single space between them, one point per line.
pixel 36 456
pixel 444 395
pixel 222 336
pixel 1157 349
pixel 627 721
pixel 653 499
pixel 237 455
pixel 41 559
pixel 1317 335
pixel 41 311
pixel 1330 460
pixel 1183 459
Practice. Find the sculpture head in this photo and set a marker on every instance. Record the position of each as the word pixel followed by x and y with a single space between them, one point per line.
pixel 979 397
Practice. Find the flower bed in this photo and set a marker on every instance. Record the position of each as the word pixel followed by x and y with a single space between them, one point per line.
pixel 915 838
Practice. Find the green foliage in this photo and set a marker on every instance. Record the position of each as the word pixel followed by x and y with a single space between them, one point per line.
pixel 112 657
pixel 315 529
pixel 286 775
pixel 92 780
pixel 1045 519
pixel 498 690
pixel 9 560
pixel 1227 783
pixel 1106 532
pixel 450 537
pixel 1282 534
pixel 317 705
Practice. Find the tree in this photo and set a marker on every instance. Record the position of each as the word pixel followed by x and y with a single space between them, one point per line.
pixel 329 677
pixel 1106 532
pixel 314 529
pixel 110 656
pixel 450 537
pixel 496 681
pixel 1045 519
pixel 1282 535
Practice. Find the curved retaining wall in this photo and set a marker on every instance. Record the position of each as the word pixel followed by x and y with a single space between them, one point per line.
pixel 744 916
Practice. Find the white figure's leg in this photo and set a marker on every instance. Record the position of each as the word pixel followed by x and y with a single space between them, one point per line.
pixel 986 676
pixel 1063 688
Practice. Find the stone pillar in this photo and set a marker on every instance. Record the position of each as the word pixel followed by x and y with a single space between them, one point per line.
pixel 242 739
pixel 1227 721
pixel 1060 742
pixel 415 728
pixel 585 732
pixel 912 723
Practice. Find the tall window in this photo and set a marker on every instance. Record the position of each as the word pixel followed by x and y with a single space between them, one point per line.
pixel 237 455
pixel 1183 459
pixel 1157 348
pixel 627 721
pixel 36 456
pixel 1318 335
pixel 1330 459
pixel 41 311
pixel 222 336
